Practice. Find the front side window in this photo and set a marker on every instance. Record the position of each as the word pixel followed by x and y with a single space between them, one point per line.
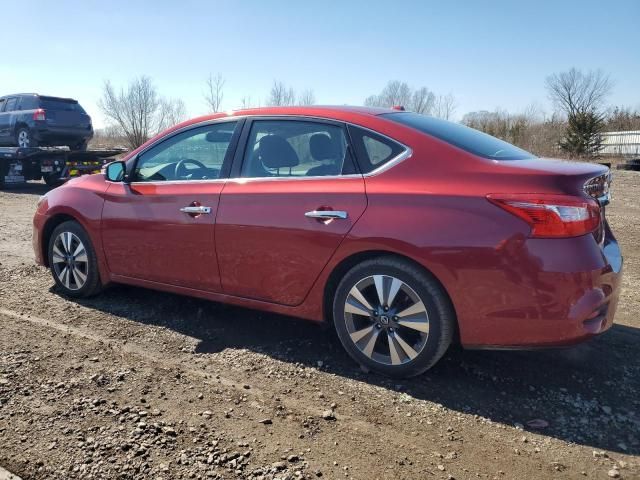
pixel 292 148
pixel 11 105
pixel 197 154
pixel 2 103
pixel 466 138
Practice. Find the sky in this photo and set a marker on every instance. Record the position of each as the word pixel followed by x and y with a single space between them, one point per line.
pixel 488 54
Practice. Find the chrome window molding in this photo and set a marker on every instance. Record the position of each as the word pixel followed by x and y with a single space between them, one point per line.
pixel 406 153
pixel 171 182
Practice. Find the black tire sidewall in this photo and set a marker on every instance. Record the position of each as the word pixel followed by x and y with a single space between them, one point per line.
pixel 92 285
pixel 441 317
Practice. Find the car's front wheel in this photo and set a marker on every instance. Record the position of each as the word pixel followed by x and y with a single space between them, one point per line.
pixel 73 261
pixel 392 317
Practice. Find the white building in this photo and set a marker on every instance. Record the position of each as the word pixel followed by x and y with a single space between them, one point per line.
pixel 621 143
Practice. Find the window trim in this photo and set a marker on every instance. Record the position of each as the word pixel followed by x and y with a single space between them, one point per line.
pixel 226 164
pixel 242 134
pixel 238 159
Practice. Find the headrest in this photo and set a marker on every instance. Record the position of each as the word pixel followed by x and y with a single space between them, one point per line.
pixel 322 147
pixel 275 152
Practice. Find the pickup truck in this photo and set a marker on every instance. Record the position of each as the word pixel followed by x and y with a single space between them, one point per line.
pixel 29 120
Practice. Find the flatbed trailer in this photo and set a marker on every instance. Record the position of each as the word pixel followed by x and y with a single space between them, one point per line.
pixel 53 165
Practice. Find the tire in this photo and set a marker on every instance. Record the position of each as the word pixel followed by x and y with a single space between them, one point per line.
pixel 24 138
pixel 52 180
pixel 419 301
pixel 79 147
pixel 82 265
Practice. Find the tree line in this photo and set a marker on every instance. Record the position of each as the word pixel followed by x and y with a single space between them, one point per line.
pixel 137 112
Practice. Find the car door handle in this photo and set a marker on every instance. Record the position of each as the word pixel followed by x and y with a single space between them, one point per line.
pixel 195 210
pixel 326 214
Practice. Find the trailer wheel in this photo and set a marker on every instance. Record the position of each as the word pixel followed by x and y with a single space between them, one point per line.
pixel 79 147
pixel 53 180
pixel 24 138
pixel 4 169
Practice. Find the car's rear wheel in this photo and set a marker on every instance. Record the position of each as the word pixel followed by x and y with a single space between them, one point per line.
pixel 73 261
pixel 392 317
pixel 24 138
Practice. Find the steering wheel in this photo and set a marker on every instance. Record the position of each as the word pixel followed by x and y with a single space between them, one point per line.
pixel 181 171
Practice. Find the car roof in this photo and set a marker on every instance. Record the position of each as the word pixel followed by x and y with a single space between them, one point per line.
pixel 38 95
pixel 337 112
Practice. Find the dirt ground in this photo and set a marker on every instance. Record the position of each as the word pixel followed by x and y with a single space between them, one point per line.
pixel 140 384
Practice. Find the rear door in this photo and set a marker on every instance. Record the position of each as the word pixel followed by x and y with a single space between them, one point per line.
pixel 295 196
pixel 160 226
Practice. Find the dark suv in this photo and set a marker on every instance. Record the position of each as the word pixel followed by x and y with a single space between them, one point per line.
pixel 32 120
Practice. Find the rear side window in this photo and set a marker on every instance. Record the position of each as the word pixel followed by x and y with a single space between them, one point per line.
pixel 294 149
pixel 11 105
pixel 60 105
pixel 28 103
pixel 466 138
pixel 373 150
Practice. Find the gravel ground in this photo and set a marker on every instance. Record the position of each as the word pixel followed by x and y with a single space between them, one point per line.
pixel 139 384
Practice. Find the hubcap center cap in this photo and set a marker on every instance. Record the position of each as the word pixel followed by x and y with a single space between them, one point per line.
pixel 384 319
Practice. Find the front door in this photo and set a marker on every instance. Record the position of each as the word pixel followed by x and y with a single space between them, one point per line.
pixel 297 196
pixel 160 225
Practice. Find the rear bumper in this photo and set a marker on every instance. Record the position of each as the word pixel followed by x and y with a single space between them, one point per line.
pixel 553 297
pixel 61 135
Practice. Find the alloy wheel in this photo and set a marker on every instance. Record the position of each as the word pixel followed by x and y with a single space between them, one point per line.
pixel 23 139
pixel 386 319
pixel 70 260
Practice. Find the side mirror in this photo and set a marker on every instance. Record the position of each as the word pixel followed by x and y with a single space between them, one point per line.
pixel 115 171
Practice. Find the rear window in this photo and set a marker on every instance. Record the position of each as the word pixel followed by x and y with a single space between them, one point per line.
pixel 59 104
pixel 466 138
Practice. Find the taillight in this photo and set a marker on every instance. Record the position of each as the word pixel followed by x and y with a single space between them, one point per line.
pixel 552 216
pixel 39 114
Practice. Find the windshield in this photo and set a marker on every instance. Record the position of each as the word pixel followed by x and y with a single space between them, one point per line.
pixel 466 138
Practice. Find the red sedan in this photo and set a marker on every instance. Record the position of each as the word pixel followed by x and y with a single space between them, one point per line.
pixel 405 231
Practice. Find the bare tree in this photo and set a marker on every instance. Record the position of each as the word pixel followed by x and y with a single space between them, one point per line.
pixel 444 106
pixel 171 112
pixel 281 95
pixel 307 98
pixel 138 112
pixel 214 92
pixel 246 102
pixel 396 92
pixel 422 101
pixel 580 96
pixel 576 92
pixel 133 110
pixel 623 118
